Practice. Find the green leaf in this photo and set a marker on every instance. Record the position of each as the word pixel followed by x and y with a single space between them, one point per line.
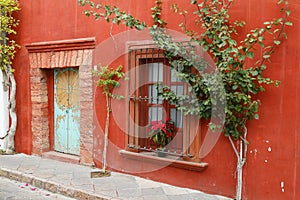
pixel 241 57
pixel 254 73
pixel 280 1
pixel 284 35
pixel 256 116
pixel 277 42
pixel 140 27
pixel 263 67
pixel 289 23
pixel 98 6
pixel 87 13
pixel 261 44
pixel 193 1
pixel 250 54
pixel 235 65
pixel 205 47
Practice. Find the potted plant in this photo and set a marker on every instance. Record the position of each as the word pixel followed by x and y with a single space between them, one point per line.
pixel 162 134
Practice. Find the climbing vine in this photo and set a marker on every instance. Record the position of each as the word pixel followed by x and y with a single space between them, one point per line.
pixel 239 63
pixel 8 46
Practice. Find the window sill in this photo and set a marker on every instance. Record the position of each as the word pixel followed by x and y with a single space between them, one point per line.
pixel 166 161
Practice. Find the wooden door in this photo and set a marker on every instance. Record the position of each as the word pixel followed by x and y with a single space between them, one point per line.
pixel 66 111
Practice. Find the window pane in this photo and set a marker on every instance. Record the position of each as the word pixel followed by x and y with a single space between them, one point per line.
pixel 153 95
pixel 176 117
pixel 174 76
pixel 155 72
pixel 154 114
pixel 177 89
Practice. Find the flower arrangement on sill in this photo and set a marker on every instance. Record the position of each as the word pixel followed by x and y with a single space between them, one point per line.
pixel 162 133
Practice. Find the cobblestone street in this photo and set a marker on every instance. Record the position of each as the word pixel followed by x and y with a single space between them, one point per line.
pixel 13 190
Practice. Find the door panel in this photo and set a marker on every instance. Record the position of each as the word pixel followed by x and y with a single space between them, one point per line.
pixel 66 111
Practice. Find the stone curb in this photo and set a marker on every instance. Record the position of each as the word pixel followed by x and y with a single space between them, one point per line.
pixel 50 185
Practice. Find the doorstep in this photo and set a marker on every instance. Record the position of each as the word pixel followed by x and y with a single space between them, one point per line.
pixel 61 157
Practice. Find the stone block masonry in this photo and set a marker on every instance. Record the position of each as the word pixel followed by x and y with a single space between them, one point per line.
pixel 46 56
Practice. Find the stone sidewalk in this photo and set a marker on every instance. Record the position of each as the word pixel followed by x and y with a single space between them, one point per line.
pixel 74 181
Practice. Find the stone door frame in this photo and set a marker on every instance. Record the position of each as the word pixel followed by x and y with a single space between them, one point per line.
pixel 61 54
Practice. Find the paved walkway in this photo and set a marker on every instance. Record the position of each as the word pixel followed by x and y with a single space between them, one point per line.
pixel 74 181
pixel 14 190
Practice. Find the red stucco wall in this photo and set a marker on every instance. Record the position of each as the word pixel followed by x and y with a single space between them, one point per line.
pixel 274 140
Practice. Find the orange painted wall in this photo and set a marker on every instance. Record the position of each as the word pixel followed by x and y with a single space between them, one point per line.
pixel 274 140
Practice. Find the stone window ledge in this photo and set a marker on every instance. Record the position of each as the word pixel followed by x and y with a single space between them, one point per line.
pixel 166 161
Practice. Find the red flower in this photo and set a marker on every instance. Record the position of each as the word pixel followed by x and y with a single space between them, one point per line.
pixel 162 133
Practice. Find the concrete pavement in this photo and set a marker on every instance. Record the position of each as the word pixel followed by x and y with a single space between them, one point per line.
pixel 74 181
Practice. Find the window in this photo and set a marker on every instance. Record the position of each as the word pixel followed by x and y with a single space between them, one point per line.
pixel 148 71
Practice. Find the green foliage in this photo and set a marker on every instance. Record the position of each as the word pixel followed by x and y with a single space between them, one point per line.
pixel 156 14
pixel 108 79
pixel 111 14
pixel 7 27
pixel 240 81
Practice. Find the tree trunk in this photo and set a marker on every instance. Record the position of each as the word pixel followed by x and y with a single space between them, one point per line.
pixel 106 133
pixel 239 185
pixel 12 111
pixel 241 160
pixel 9 84
pixel 4 114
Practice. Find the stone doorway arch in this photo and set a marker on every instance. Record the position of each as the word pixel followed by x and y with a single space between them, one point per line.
pixel 51 55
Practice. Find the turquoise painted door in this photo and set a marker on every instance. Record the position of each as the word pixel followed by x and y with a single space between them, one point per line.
pixel 66 111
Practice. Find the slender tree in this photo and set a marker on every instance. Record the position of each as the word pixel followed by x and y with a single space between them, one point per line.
pixel 108 81
pixel 8 50
pixel 241 80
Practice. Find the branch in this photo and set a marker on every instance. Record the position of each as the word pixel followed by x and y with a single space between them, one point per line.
pixel 5 81
pixel 112 14
pixel 277 37
pixel 234 147
pixel 182 13
pixel 2 138
pixel 245 142
pixel 111 35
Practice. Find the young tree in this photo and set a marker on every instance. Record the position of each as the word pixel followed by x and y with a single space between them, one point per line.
pixel 8 50
pixel 241 80
pixel 108 81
